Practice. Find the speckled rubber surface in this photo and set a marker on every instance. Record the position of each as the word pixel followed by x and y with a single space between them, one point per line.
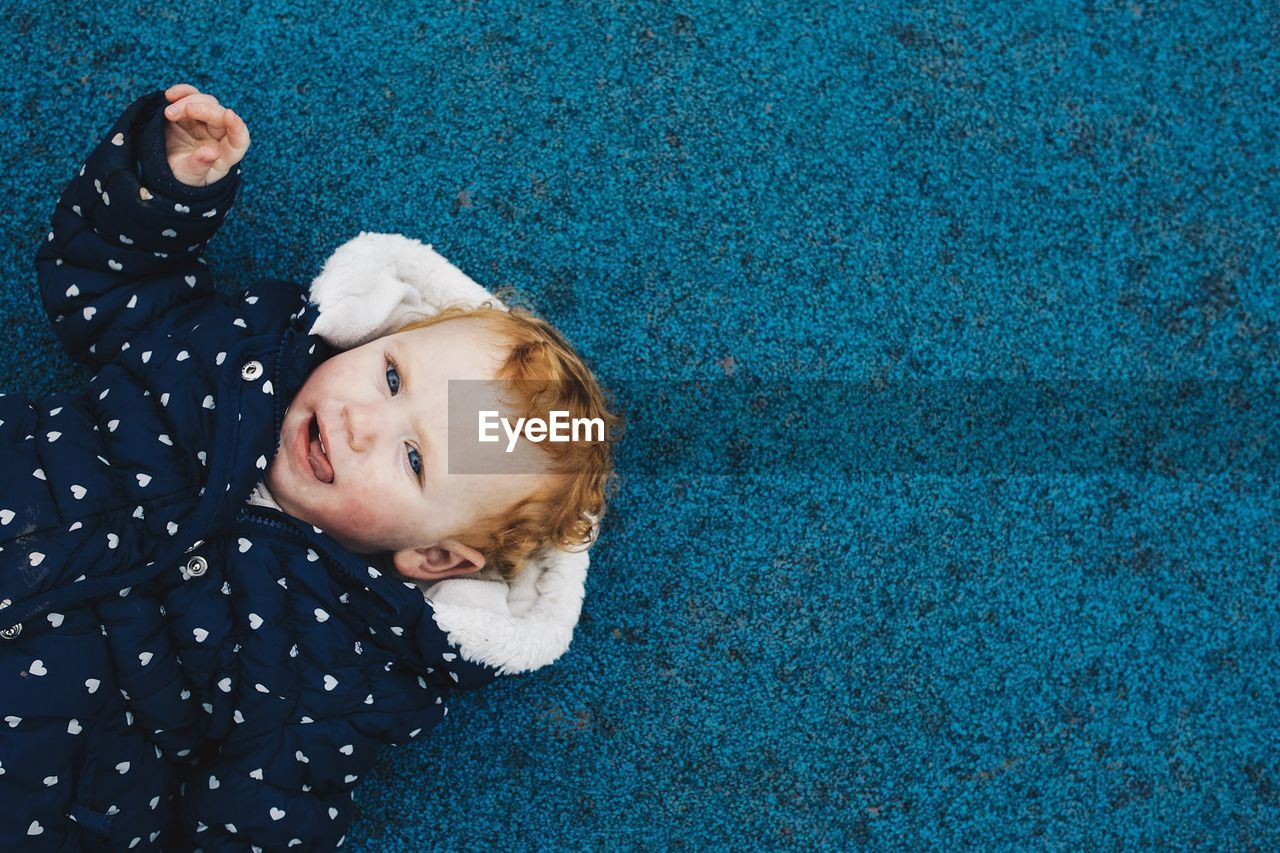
pixel 795 636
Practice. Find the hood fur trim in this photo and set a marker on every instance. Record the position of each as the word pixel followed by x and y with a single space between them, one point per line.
pixel 375 283
pixel 371 286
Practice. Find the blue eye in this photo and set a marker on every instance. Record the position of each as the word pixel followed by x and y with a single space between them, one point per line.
pixel 415 461
pixel 393 378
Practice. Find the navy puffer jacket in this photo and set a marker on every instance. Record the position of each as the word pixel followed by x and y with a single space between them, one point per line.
pixel 179 668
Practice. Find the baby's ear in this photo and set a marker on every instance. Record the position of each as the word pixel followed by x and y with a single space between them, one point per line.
pixel 448 559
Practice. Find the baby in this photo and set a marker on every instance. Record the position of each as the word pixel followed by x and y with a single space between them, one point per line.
pixel 255 549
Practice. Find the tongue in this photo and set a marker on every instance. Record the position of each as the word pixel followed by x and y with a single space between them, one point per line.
pixel 319 463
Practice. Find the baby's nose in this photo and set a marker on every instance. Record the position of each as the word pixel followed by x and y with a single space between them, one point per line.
pixel 362 426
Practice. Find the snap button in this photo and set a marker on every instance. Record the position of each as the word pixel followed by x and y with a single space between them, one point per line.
pixel 10 633
pixel 251 370
pixel 197 566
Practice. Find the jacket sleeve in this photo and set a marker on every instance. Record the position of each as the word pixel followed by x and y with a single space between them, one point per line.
pixel 123 256
pixel 293 786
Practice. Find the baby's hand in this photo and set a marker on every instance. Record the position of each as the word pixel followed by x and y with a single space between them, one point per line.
pixel 203 140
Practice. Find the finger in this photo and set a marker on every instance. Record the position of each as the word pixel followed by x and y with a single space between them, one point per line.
pixel 237 132
pixel 182 107
pixel 212 114
pixel 180 90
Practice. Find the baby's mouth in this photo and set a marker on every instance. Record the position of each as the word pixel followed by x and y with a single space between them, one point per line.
pixel 317 456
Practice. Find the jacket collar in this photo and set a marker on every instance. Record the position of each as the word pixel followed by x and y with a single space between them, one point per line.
pixel 395 611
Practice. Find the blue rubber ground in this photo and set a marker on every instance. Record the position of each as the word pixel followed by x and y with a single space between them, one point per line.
pixel 903 634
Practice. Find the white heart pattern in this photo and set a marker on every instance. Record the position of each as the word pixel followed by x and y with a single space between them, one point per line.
pixel 79 491
pixel 330 682
pixel 6 516
pixel 143 480
pixel 276 813
pixel 145 658
pixel 255 621
pixel 35 558
pixel 55 619
pixel 225 684
pixel 321 615
pixel 115 265
pixel 245 544
pixel 74 727
pixel 37 668
pixel 92 684
pixel 256 774
pixel 201 634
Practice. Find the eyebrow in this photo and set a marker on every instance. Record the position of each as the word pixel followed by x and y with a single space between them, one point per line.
pixel 402 364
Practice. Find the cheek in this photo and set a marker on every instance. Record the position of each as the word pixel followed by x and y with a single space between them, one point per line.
pixel 365 509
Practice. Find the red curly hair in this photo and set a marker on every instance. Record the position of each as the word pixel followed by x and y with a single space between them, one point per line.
pixel 543 372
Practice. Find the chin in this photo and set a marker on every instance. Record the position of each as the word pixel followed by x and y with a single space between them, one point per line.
pixel 354 544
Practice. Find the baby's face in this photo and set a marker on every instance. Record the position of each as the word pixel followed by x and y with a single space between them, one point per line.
pixel 381 410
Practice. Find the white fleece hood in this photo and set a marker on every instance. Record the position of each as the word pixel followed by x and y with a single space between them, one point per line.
pixel 371 286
